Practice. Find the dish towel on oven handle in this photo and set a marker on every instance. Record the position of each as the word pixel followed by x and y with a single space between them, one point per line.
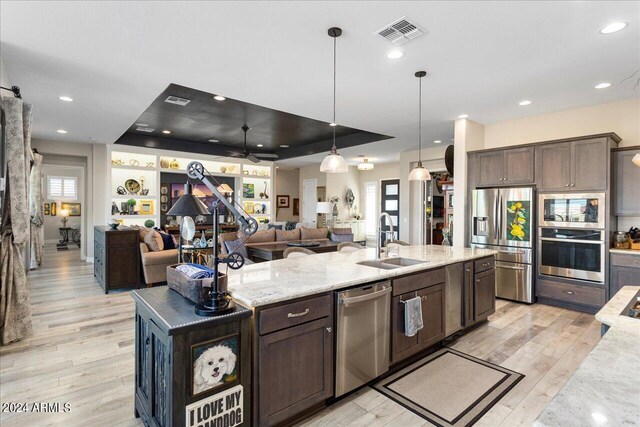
pixel 412 316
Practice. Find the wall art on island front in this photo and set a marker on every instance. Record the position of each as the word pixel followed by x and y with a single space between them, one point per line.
pixel 214 363
pixel 222 409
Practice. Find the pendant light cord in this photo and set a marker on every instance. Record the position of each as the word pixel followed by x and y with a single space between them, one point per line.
pixel 334 93
pixel 420 124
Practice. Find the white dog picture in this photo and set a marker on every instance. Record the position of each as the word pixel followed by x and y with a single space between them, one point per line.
pixel 214 365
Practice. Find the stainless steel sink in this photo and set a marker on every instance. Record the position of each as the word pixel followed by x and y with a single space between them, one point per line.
pixel 391 263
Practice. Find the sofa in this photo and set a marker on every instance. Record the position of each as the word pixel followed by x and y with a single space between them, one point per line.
pixel 154 264
pixel 274 235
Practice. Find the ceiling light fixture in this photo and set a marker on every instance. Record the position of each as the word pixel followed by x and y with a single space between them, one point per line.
pixel 284 146
pixel 334 162
pixel 214 140
pixel 602 85
pixel 463 116
pixel 260 145
pixel 65 98
pixel 219 98
pixel 395 54
pixel 61 131
pixel 144 125
pixel 333 124
pixel 636 159
pixel 166 132
pixel 437 141
pixel 613 27
pixel 525 102
pixel 420 173
pixel 365 165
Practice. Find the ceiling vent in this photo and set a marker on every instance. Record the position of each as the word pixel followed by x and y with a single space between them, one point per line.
pixel 177 100
pixel 401 31
pixel 142 129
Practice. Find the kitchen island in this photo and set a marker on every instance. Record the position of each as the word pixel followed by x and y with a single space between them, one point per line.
pixel 605 390
pixel 297 326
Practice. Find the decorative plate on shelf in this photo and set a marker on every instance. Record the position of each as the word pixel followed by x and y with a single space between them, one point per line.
pixel 132 186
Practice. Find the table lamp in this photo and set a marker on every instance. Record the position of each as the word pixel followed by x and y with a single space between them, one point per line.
pixel 64 213
pixel 187 205
pixel 324 208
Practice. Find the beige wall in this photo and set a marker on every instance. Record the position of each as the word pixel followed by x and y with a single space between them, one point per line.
pixel 52 223
pixel 337 185
pixel 287 183
pixel 621 117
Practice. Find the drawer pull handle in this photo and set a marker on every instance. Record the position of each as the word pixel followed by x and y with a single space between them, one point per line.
pixel 424 298
pixel 147 341
pixel 329 330
pixel 569 292
pixel 477 280
pixel 303 313
pixel 467 269
pixel 486 264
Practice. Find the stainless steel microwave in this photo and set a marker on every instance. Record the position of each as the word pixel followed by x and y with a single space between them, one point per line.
pixel 572 210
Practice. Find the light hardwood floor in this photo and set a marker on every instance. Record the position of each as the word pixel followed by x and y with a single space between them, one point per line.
pixel 82 352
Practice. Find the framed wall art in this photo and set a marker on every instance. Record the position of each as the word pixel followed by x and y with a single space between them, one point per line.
pixel 72 208
pixel 282 201
pixel 146 207
pixel 214 364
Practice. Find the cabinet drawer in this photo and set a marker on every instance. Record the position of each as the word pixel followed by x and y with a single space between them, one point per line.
pixel 622 260
pixel 484 264
pixel 285 316
pixel 117 238
pixel 413 282
pixel 576 294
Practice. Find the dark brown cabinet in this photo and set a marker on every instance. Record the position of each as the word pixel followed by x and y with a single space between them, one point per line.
pixel 430 287
pixel 624 271
pixel 484 289
pixel 295 363
pixel 469 318
pixel 505 167
pixel 116 258
pixel 627 178
pixel 576 165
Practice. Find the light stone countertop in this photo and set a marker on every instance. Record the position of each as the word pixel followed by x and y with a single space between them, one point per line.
pixel 624 251
pixel 281 280
pixel 605 390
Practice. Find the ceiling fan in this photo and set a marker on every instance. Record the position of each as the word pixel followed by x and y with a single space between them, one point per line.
pixel 245 154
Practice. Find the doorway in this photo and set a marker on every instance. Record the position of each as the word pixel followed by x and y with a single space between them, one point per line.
pixel 390 203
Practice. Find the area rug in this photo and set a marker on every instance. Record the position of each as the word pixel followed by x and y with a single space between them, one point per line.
pixel 449 388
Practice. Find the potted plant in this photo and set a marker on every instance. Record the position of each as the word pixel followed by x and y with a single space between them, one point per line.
pixel 131 203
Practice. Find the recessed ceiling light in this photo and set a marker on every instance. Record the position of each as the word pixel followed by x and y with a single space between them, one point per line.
pixel 284 146
pixel 144 125
pixel 166 131
pixel 395 54
pixel 65 98
pixel 463 116
pixel 613 27
pixel 525 102
pixel 219 98
pixel 437 141
pixel 91 138
pixel 61 131
pixel 259 145
pixel 214 140
pixel 602 85
pixel 333 124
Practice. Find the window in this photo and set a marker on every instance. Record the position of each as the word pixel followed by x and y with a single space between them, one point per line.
pixel 62 187
pixel 370 205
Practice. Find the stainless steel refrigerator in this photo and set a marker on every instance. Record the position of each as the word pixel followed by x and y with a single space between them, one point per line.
pixel 503 219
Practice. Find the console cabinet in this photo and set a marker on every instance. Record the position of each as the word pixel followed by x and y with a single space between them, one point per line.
pixel 116 262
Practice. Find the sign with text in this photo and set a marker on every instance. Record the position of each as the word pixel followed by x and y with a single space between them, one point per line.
pixel 220 410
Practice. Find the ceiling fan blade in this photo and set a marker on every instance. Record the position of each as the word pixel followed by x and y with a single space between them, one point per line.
pixel 265 155
pixel 253 159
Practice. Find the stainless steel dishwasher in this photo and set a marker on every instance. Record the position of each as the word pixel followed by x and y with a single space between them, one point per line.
pixel 363 339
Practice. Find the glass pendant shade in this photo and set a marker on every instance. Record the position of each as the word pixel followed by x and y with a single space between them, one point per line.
pixel 636 159
pixel 419 173
pixel 334 163
pixel 365 165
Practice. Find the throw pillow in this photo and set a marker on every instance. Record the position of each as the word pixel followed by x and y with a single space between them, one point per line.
pixel 286 235
pixel 167 240
pixel 277 227
pixel 154 241
pixel 290 225
pixel 143 232
pixel 313 233
pixel 236 246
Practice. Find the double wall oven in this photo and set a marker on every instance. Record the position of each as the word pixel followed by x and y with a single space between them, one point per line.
pixel 571 236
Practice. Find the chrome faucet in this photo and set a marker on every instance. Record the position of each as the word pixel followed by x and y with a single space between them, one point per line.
pixel 379 241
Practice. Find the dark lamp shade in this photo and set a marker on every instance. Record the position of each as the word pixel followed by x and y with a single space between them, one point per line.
pixel 188 204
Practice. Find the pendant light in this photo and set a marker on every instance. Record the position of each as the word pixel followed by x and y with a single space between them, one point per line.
pixel 334 162
pixel 419 173
pixel 636 159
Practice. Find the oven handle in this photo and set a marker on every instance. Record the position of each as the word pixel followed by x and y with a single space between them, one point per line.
pixel 591 242
pixel 509 268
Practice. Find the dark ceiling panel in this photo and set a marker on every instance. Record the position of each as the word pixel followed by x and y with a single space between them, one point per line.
pixel 203 118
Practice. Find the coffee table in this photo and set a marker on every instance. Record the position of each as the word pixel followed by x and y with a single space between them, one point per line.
pixel 271 251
